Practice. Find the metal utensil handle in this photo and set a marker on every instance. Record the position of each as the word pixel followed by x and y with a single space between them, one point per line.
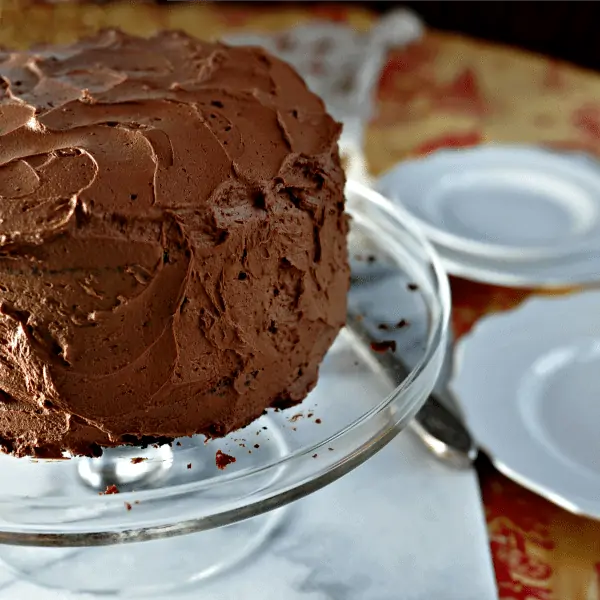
pixel 444 434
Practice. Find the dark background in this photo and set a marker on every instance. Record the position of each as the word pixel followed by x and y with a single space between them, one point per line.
pixel 564 29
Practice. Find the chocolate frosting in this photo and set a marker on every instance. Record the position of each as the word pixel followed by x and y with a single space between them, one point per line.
pixel 172 241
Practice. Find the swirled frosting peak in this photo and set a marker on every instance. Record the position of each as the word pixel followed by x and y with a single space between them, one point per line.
pixel 172 241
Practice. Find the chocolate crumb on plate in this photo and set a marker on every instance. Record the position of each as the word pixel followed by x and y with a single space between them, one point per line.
pixel 189 465
pixel 399 325
pixel 318 421
pixel 138 459
pixel 383 346
pixel 128 506
pixel 110 489
pixel 413 287
pixel 222 459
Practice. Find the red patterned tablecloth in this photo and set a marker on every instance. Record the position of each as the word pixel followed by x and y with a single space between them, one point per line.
pixel 442 91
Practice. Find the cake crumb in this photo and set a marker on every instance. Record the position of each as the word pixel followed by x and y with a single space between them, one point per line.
pixel 110 489
pixel 315 455
pixel 330 449
pixel 257 445
pixel 383 346
pixel 399 325
pixel 318 421
pixel 295 417
pixel 222 459
pixel 189 465
pixel 178 443
pixel 128 506
pixel 138 459
pixel 413 287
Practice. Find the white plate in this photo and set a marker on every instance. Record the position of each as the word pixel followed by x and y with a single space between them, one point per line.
pixel 513 215
pixel 528 382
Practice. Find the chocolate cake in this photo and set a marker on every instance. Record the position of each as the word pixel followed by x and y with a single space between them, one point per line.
pixel 172 241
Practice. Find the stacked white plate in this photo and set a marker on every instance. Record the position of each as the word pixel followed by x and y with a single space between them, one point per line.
pixel 512 215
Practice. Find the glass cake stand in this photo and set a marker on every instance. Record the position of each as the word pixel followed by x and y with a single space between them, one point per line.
pixel 58 531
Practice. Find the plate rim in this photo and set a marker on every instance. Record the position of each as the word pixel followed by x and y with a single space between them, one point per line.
pixel 578 505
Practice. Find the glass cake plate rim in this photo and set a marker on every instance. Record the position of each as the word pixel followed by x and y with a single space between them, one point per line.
pixel 406 399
